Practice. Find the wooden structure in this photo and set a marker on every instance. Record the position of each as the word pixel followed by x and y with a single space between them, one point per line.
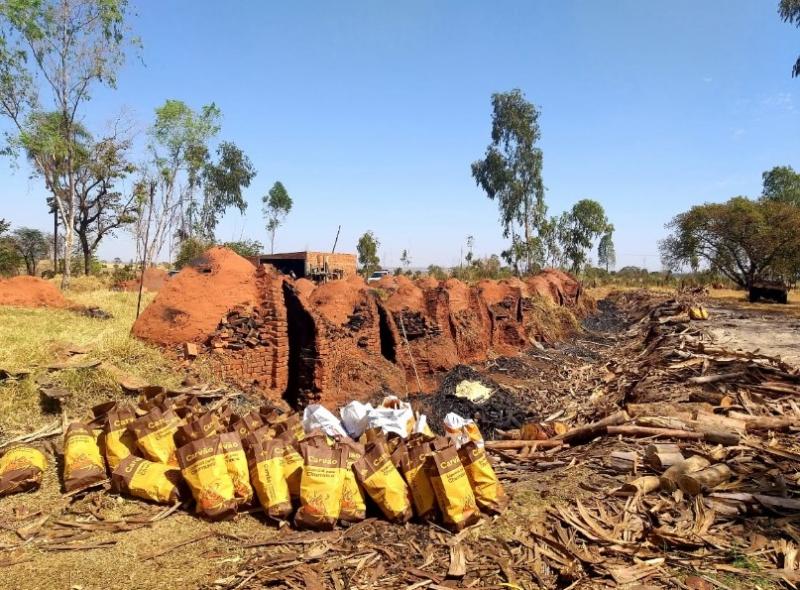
pixel 315 266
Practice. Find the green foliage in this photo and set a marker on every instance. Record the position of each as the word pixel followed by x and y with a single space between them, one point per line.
pixel 276 205
pixel 190 249
pixel 405 259
pixel 223 184
pixel 742 239
pixel 122 272
pixel 32 245
pixel 367 249
pixel 790 13
pixel 606 254
pixel 245 247
pixel 10 260
pixel 511 173
pixel 578 229
pixel 437 272
pixel 782 183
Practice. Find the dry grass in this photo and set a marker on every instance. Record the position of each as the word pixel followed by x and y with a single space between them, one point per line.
pixel 34 338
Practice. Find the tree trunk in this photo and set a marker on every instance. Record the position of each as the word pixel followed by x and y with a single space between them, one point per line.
pixel 272 242
pixel 87 256
pixel 55 238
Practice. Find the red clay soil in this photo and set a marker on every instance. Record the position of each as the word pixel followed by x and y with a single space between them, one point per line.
pixel 154 279
pixel 304 287
pixel 336 300
pixel 190 305
pixel 26 291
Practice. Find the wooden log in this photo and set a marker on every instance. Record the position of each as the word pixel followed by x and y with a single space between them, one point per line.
pixel 703 379
pixel 583 434
pixel 722 438
pixel 662 455
pixel 709 397
pixel 521 444
pixel 756 423
pixel 669 479
pixel 707 420
pixel 663 422
pixel 705 479
pixel 642 485
pixel 623 461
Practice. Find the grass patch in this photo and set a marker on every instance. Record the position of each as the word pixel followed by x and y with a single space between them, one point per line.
pixel 33 338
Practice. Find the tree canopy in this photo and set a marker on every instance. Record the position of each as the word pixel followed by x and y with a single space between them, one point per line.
pixel 367 249
pixel 32 245
pixel 782 183
pixel 790 13
pixel 745 240
pixel 511 173
pixel 579 228
pixel 276 206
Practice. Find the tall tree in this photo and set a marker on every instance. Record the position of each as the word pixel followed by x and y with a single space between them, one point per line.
pixel 223 182
pixel 276 206
pixel 102 208
pixel 511 173
pixel 179 153
pixel 405 259
pixel 782 183
pixel 63 47
pixel 32 245
pixel 581 226
pixel 745 240
pixel 790 13
pixel 367 249
pixel 606 254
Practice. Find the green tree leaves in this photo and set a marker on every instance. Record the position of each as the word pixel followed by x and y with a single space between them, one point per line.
pixel 276 206
pixel 790 13
pixel 367 249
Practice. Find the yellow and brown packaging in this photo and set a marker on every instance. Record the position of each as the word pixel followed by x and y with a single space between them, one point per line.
pixel 321 486
pixel 452 488
pixel 380 479
pixel 203 467
pixel 488 491
pixel 203 425
pixel 154 433
pixel 266 461
pixel 119 442
pixel 21 470
pixel 354 506
pixel 83 463
pixel 292 468
pixel 236 463
pixel 147 480
pixel 418 480
pixel 246 425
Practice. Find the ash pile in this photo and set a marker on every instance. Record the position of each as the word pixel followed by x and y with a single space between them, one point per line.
pixel 472 395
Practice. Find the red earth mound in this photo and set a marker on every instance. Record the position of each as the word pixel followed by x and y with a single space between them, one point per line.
pixel 25 291
pixel 190 305
pixel 154 279
pixel 336 300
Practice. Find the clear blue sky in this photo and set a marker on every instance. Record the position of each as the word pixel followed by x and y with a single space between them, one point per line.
pixel 371 112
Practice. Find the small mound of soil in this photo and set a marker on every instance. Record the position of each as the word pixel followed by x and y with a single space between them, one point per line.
pixel 427 283
pixel 190 305
pixel 304 287
pixel 336 300
pixel 26 291
pixel 154 279
pixel 500 411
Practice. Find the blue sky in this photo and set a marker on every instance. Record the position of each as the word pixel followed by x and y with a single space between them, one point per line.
pixel 371 112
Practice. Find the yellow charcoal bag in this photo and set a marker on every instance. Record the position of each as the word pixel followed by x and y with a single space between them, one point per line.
pixel 321 486
pixel 489 494
pixel 236 463
pixel 203 467
pixel 83 464
pixel 147 480
pixel 354 506
pixel 155 433
pixel 413 469
pixel 384 484
pixel 266 460
pixel 21 470
pixel 119 441
pixel 452 488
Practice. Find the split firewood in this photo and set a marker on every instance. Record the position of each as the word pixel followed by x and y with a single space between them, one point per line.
pixel 521 444
pixel 705 479
pixel 663 422
pixel 703 379
pixel 583 434
pixel 623 461
pixel 641 485
pixel 669 479
pixel 721 438
pixel 756 423
pixel 662 455
pixel 709 397
pixel 716 421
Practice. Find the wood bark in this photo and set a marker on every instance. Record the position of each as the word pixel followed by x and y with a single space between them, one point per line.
pixel 705 479
pixel 662 455
pixel 641 485
pixel 669 479
pixel 583 434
